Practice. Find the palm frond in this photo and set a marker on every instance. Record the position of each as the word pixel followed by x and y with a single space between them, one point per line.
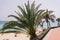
pixel 37 7
pixel 23 11
pixel 58 19
pixel 51 12
pixel 33 5
pixel 40 16
pixel 14 17
pixel 52 18
pixel 19 14
pixel 12 25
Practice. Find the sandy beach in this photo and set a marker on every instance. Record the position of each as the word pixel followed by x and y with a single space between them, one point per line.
pixel 16 36
pixel 13 36
pixel 53 34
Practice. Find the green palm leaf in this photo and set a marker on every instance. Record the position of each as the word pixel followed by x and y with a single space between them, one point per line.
pixel 28 20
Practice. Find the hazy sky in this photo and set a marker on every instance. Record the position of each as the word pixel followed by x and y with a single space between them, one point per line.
pixel 8 7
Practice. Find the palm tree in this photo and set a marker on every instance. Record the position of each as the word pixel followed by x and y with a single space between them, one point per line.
pixel 58 20
pixel 27 21
pixel 48 17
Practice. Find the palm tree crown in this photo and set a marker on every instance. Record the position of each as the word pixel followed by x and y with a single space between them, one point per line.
pixel 27 20
pixel 58 20
pixel 48 17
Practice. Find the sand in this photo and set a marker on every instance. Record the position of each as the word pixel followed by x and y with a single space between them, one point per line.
pixel 14 36
pixel 53 34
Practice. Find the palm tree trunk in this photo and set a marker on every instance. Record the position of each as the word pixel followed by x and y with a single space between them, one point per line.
pixel 58 23
pixel 48 24
pixel 33 37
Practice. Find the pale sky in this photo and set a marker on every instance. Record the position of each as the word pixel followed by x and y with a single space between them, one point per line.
pixel 8 7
